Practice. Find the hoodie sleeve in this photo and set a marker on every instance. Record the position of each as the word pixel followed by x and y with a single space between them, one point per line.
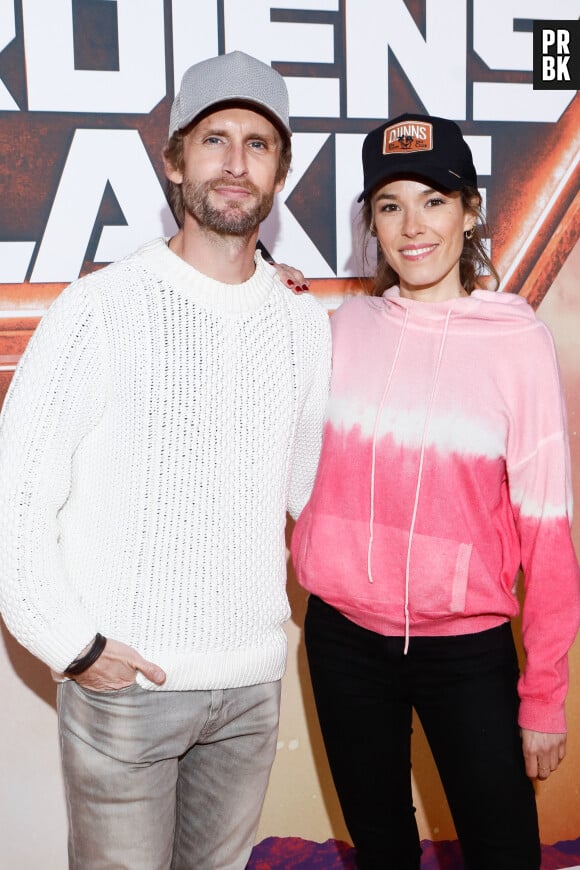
pixel 53 401
pixel 308 436
pixel 538 467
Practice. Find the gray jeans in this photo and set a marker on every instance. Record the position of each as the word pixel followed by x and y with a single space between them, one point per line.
pixel 160 780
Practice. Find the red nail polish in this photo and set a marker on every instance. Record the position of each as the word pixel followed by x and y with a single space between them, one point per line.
pixel 304 288
pixel 290 282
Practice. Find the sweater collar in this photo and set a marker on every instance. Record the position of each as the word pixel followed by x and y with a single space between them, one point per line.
pixel 215 295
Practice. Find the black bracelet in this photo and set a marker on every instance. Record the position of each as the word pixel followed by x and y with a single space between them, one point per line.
pixel 83 663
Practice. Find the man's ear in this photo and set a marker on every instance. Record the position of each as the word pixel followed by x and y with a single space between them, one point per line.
pixel 171 172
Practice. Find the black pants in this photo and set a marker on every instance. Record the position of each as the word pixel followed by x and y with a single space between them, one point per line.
pixel 464 691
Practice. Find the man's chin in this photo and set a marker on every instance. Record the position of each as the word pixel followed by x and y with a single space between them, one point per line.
pixel 228 218
pixel 240 225
pixel 233 220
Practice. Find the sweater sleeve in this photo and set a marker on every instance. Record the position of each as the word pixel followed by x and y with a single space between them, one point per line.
pixel 538 465
pixel 308 436
pixel 55 398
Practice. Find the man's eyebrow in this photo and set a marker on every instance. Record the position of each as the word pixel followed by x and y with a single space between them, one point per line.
pixel 223 131
pixel 212 131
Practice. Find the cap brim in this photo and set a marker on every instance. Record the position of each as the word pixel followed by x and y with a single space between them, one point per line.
pixel 446 180
pixel 251 102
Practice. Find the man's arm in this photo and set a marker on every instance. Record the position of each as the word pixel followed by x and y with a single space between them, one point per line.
pixel 308 438
pixel 55 398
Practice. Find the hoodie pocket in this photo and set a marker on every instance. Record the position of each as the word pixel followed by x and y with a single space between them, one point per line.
pixel 437 572
pixel 331 561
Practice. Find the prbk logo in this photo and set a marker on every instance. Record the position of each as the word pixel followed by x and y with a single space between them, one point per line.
pixel 556 55
pixel 408 137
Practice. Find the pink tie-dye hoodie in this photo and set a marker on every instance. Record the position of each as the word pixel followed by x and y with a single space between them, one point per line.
pixel 444 467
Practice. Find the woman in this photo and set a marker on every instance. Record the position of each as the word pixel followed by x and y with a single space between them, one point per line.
pixel 444 467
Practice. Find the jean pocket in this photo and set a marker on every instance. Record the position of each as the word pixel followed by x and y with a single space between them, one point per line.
pixel 104 693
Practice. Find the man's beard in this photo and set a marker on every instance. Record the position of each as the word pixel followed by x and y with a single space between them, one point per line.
pixel 230 220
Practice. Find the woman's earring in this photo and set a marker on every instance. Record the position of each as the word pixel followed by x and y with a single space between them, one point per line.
pixel 469 233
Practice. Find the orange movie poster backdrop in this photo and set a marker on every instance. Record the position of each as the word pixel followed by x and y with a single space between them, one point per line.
pixel 67 208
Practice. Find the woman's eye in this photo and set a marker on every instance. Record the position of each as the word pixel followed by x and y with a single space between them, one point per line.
pixel 435 200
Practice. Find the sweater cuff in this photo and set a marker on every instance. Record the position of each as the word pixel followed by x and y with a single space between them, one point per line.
pixel 59 648
pixel 538 716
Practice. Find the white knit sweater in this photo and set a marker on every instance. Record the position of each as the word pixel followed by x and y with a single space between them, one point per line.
pixel 156 430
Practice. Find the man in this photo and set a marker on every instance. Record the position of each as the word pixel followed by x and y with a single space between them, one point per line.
pixel 166 414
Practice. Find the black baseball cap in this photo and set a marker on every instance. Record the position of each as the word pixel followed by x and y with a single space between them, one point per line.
pixel 417 145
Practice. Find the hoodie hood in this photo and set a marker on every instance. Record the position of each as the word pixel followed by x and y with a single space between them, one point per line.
pixel 486 305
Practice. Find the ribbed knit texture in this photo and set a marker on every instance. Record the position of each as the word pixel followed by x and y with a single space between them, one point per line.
pixel 156 430
pixel 445 465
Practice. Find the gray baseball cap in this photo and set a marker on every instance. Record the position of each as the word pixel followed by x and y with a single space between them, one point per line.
pixel 227 77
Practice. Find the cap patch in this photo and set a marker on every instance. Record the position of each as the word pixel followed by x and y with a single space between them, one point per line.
pixel 408 137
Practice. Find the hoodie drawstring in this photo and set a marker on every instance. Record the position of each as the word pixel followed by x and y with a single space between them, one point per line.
pixel 374 447
pixel 420 476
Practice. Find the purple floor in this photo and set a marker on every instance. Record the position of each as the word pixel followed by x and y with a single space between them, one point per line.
pixel 281 853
